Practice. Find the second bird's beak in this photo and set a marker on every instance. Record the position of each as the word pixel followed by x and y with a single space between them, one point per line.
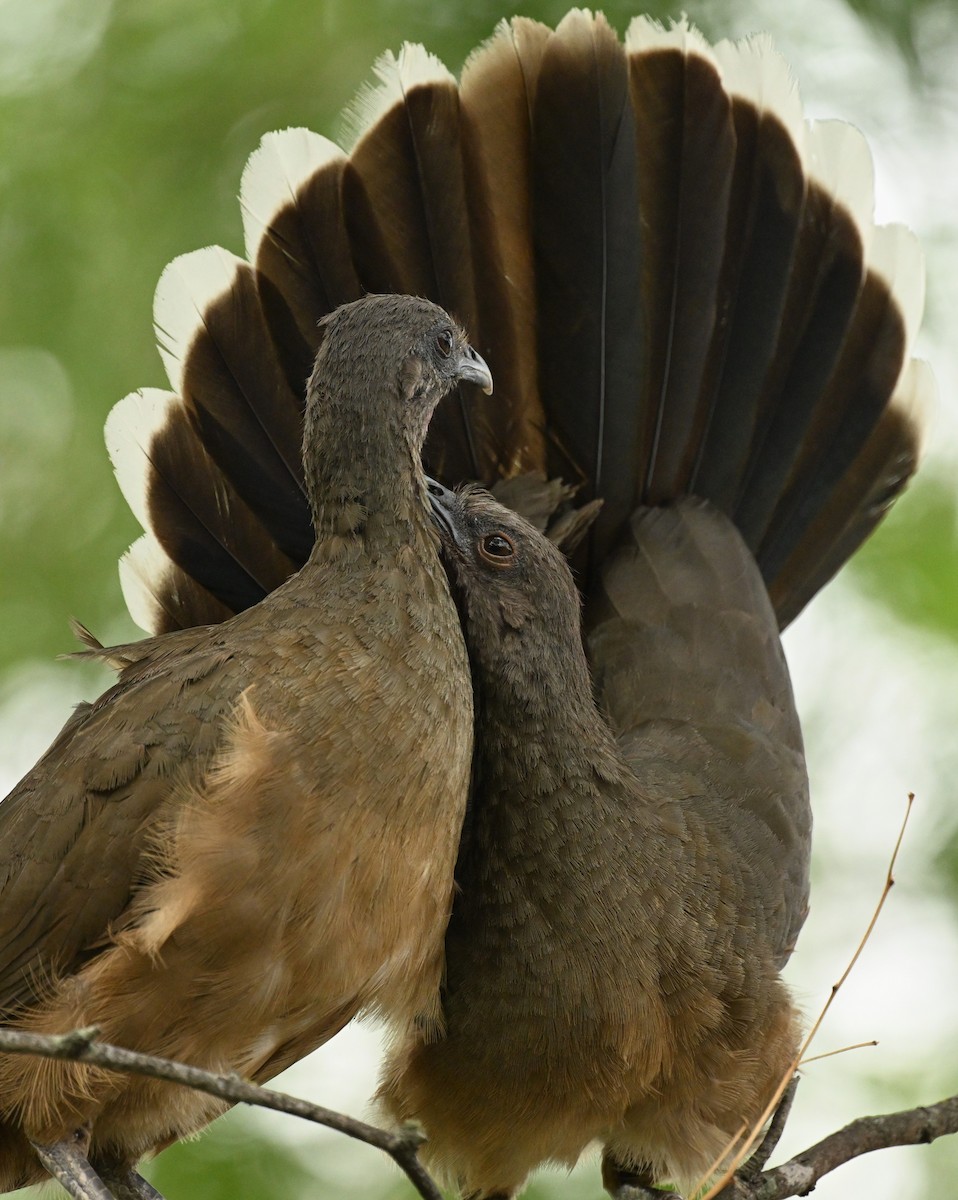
pixel 445 507
pixel 472 368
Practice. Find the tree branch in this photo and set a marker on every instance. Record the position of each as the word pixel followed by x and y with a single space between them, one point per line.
pixel 797 1177
pixel 80 1046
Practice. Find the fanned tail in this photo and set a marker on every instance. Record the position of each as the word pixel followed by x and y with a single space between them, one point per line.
pixel 674 277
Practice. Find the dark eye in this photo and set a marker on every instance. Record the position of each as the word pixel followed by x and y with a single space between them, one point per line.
pixel 444 343
pixel 497 549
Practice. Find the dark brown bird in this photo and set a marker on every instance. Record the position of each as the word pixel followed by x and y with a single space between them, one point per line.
pixel 623 908
pixel 680 288
pixel 251 836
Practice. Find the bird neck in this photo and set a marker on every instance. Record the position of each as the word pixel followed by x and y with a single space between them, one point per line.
pixel 540 728
pixel 364 479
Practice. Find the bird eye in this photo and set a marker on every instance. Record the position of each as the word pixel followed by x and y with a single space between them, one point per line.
pixel 497 549
pixel 444 343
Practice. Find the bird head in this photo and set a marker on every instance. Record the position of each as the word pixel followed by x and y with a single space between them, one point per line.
pixel 381 350
pixel 514 587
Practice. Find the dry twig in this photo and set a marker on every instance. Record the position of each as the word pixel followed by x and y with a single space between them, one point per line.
pixel 719 1188
pixel 80 1046
pixel 794 1178
pixel 797 1177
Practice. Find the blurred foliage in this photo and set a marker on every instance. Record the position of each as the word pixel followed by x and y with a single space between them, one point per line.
pixel 235 1161
pixel 912 567
pixel 124 128
pixel 897 19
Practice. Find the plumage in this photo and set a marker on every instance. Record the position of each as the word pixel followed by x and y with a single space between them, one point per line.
pixel 159 458
pixel 824 286
pixel 235 392
pixel 257 775
pixel 701 339
pixel 587 252
pixel 303 266
pixel 686 153
pixel 675 277
pixel 768 191
pixel 495 102
pixel 599 983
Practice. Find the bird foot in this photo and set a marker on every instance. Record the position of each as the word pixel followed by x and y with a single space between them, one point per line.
pixel 631 1183
pixel 67 1162
pixel 639 1191
pixel 127 1184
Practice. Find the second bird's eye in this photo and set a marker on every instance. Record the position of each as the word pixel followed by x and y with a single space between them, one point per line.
pixel 497 549
pixel 444 343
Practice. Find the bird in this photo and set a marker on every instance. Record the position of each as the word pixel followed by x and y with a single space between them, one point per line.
pixel 705 393
pixel 612 961
pixel 251 836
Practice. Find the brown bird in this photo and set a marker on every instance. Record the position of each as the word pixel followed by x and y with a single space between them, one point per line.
pixel 251 836
pixel 681 290
pixel 623 908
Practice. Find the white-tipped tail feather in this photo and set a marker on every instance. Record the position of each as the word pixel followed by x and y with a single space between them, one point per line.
pixel 895 256
pixel 646 34
pixel 187 288
pixel 129 431
pixel 840 162
pixel 396 76
pixel 144 570
pixel 276 170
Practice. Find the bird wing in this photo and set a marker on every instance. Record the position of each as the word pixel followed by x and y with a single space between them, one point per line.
pixel 76 830
pixel 689 668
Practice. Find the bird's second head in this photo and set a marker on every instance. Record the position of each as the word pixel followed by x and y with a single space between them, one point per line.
pixel 519 604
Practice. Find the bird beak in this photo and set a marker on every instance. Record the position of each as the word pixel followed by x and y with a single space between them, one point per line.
pixel 472 367
pixel 444 504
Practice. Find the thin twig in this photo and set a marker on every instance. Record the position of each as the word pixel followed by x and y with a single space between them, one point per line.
pixel 80 1045
pixel 840 1050
pixel 717 1188
pixel 797 1177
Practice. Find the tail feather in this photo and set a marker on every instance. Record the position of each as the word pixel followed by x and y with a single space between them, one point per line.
pixel 174 488
pixel 768 193
pixel 827 277
pixel 677 283
pixel 161 596
pixel 407 215
pixel 874 356
pixel 587 259
pixel 864 494
pixel 496 101
pixel 405 179
pixel 236 393
pixel 686 157
pixel 291 199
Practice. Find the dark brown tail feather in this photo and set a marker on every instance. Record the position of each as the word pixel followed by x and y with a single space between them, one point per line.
pixel 675 296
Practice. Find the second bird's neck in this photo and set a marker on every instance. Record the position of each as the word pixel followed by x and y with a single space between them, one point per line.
pixel 541 728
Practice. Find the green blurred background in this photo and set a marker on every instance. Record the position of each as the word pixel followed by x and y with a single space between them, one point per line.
pixel 124 127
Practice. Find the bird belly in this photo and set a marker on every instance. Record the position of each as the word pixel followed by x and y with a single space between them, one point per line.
pixel 493 1117
pixel 272 917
